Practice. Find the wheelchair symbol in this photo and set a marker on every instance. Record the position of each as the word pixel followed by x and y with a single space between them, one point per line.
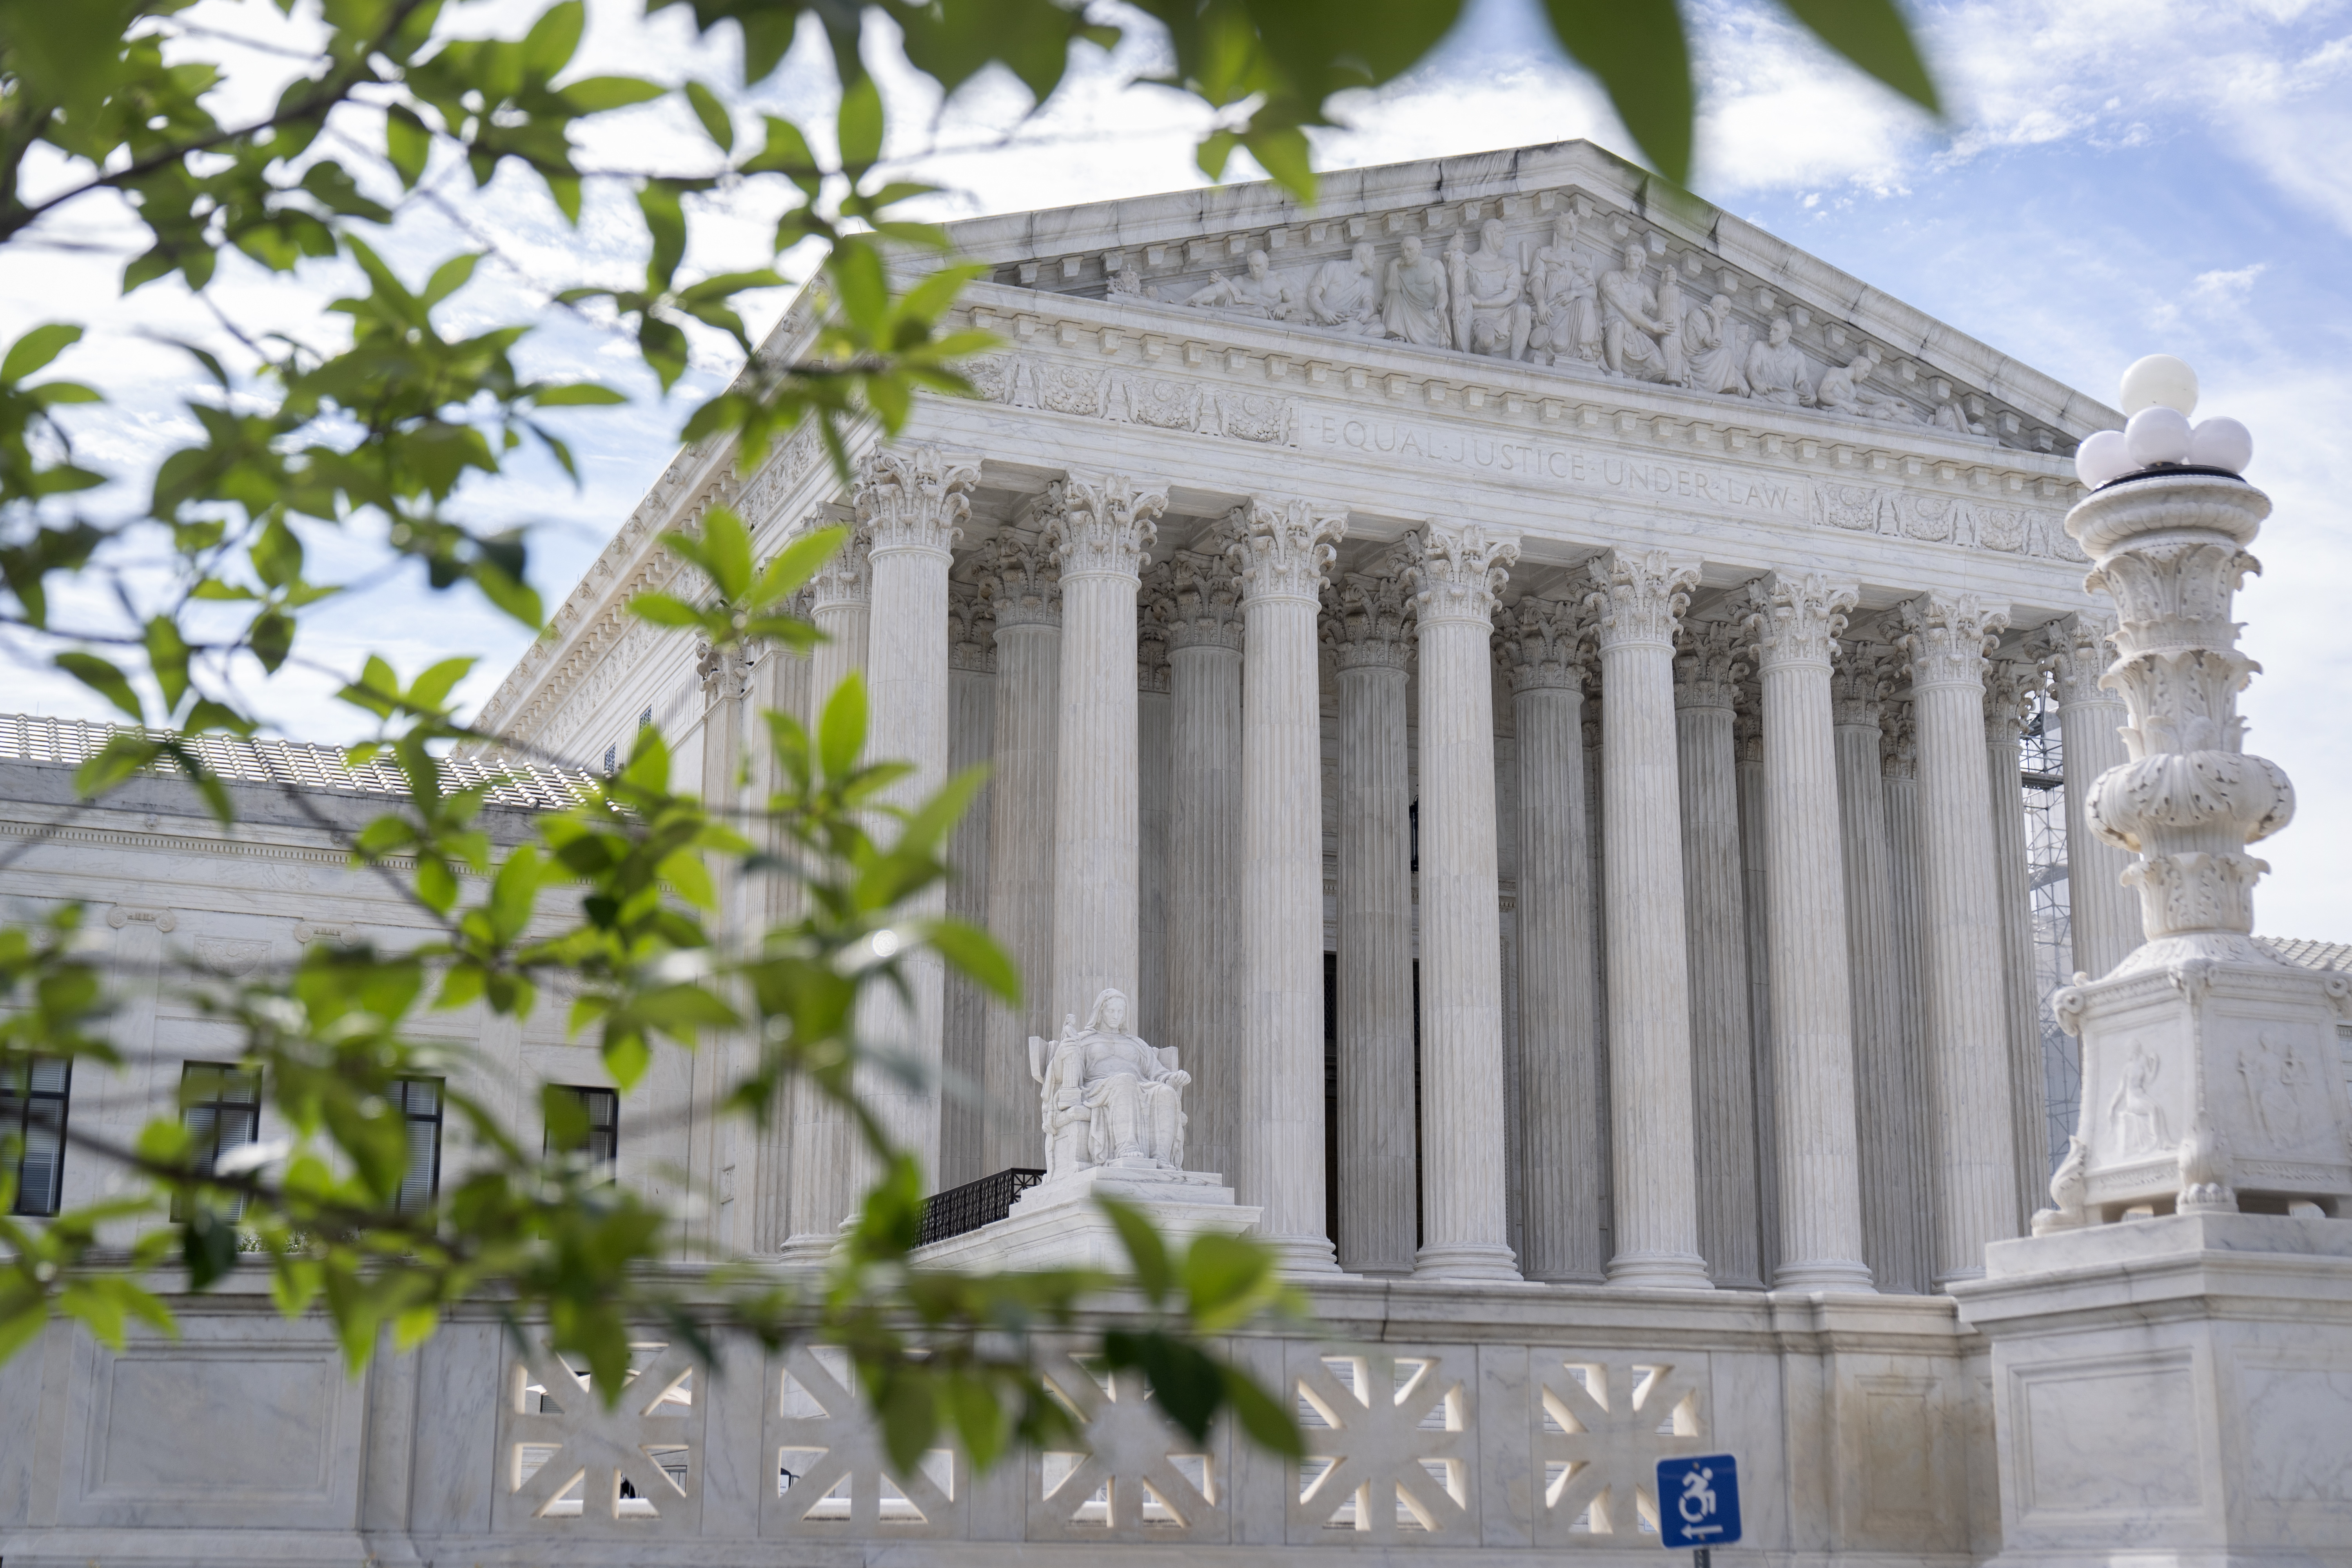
pixel 1698 1501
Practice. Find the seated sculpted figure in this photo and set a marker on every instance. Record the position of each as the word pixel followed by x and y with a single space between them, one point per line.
pixel 1713 350
pixel 1840 390
pixel 1775 367
pixel 1635 338
pixel 1567 312
pixel 1107 1095
pixel 1491 315
pixel 1345 296
pixel 1414 303
pixel 1259 291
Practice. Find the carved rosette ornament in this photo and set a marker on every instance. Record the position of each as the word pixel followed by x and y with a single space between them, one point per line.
pixel 1459 570
pixel 1105 528
pixel 1540 643
pixel 1638 596
pixel 2210 1077
pixel 1709 664
pixel 1796 620
pixel 1368 619
pixel 915 499
pixel 1285 550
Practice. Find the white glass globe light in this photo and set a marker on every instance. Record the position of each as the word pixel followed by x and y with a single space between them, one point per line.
pixel 2102 458
pixel 2159 381
pixel 2222 444
pixel 2156 435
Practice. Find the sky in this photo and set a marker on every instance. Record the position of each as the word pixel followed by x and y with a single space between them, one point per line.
pixel 2110 180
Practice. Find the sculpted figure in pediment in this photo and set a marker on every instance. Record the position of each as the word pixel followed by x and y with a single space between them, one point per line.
pixel 1566 307
pixel 1634 339
pixel 1490 309
pixel 1840 391
pixel 1127 283
pixel 1950 417
pixel 1414 303
pixel 1714 349
pixel 1259 291
pixel 1777 371
pixel 1345 296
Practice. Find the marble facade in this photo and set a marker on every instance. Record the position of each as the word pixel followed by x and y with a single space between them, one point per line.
pixel 1561 643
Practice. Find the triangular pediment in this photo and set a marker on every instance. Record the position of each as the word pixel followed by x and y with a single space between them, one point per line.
pixel 1566 214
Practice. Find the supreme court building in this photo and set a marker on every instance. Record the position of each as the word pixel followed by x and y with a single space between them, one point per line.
pixel 1522 687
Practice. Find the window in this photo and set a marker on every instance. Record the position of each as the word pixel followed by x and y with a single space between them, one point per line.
pixel 33 1129
pixel 612 759
pixel 602 1108
pixel 221 1107
pixel 419 1099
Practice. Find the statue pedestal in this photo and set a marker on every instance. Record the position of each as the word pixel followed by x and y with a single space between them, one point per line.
pixel 1056 1223
pixel 2175 1390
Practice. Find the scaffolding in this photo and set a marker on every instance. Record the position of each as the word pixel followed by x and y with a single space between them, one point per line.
pixel 2042 768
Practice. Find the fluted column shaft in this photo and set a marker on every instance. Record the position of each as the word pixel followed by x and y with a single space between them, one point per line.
pixel 1747 739
pixel 1017 570
pixel 2010 687
pixel 1723 1074
pixel 1889 1202
pixel 1206 978
pixel 830 1167
pixel 1796 622
pixel 1976 1168
pixel 971 741
pixel 781 679
pixel 1912 1132
pixel 1465 1227
pixel 1155 739
pixel 1282 557
pixel 1561 1163
pixel 913 501
pixel 1368 626
pixel 1101 540
pixel 2102 914
pixel 1637 600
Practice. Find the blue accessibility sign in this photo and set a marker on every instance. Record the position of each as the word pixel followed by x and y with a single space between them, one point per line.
pixel 1698 1501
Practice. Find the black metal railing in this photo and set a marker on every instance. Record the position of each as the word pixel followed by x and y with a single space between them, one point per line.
pixel 975 1204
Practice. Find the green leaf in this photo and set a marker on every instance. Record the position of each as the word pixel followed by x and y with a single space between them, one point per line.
pixel 713 114
pixel 1873 35
pixel 577 393
pixel 1637 49
pixel 167 656
pixel 110 683
pixel 1144 1247
pixel 727 549
pixel 595 94
pixel 1283 152
pixel 841 729
pixel 1263 1417
pixel 208 1248
pixel 860 125
pixel 36 348
pixel 795 564
pixel 552 40
pixel 976 956
pixel 663 610
pixel 1225 1278
pixel 910 1419
pixel 1185 1383
pixel 407 145
pixel 449 277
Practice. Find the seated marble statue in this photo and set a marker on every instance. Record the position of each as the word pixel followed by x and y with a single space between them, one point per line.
pixel 1104 1095
pixel 1775 367
pixel 1840 390
pixel 1345 296
pixel 1259 291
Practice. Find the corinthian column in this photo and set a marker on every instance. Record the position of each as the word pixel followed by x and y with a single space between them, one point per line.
pixel 1205 1013
pixel 1898 778
pixel 912 502
pixel 1282 556
pixel 2102 913
pixel 1537 643
pixel 1976 1154
pixel 830 1167
pixel 1017 572
pixel 1369 625
pixel 1747 739
pixel 971 742
pixel 1154 738
pixel 2011 688
pixel 1795 622
pixel 1723 1073
pixel 1101 542
pixel 1466 1226
pixel 1873 963
pixel 1637 599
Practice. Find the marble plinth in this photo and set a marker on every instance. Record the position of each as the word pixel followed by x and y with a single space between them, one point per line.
pixel 2174 1390
pixel 1057 1224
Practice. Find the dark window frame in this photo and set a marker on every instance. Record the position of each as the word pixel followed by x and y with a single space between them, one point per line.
pixel 19 1115
pixel 590 1096
pixel 228 1075
pixel 403 1087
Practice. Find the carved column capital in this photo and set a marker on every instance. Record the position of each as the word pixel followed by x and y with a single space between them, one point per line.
pixel 1638 595
pixel 2010 687
pixel 848 577
pixel 1155 605
pixel 972 628
pixel 1898 741
pixel 2076 650
pixel 1795 617
pixel 914 499
pixel 1946 637
pixel 1747 731
pixel 1459 569
pixel 1708 664
pixel 1023 584
pixel 1540 643
pixel 1368 620
pixel 1105 527
pixel 1206 593
pixel 1859 681
pixel 1286 549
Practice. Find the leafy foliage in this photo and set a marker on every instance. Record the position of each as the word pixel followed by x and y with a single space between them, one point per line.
pixel 613 901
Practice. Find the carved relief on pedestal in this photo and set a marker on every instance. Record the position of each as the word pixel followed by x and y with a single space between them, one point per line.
pixel 1106 1097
